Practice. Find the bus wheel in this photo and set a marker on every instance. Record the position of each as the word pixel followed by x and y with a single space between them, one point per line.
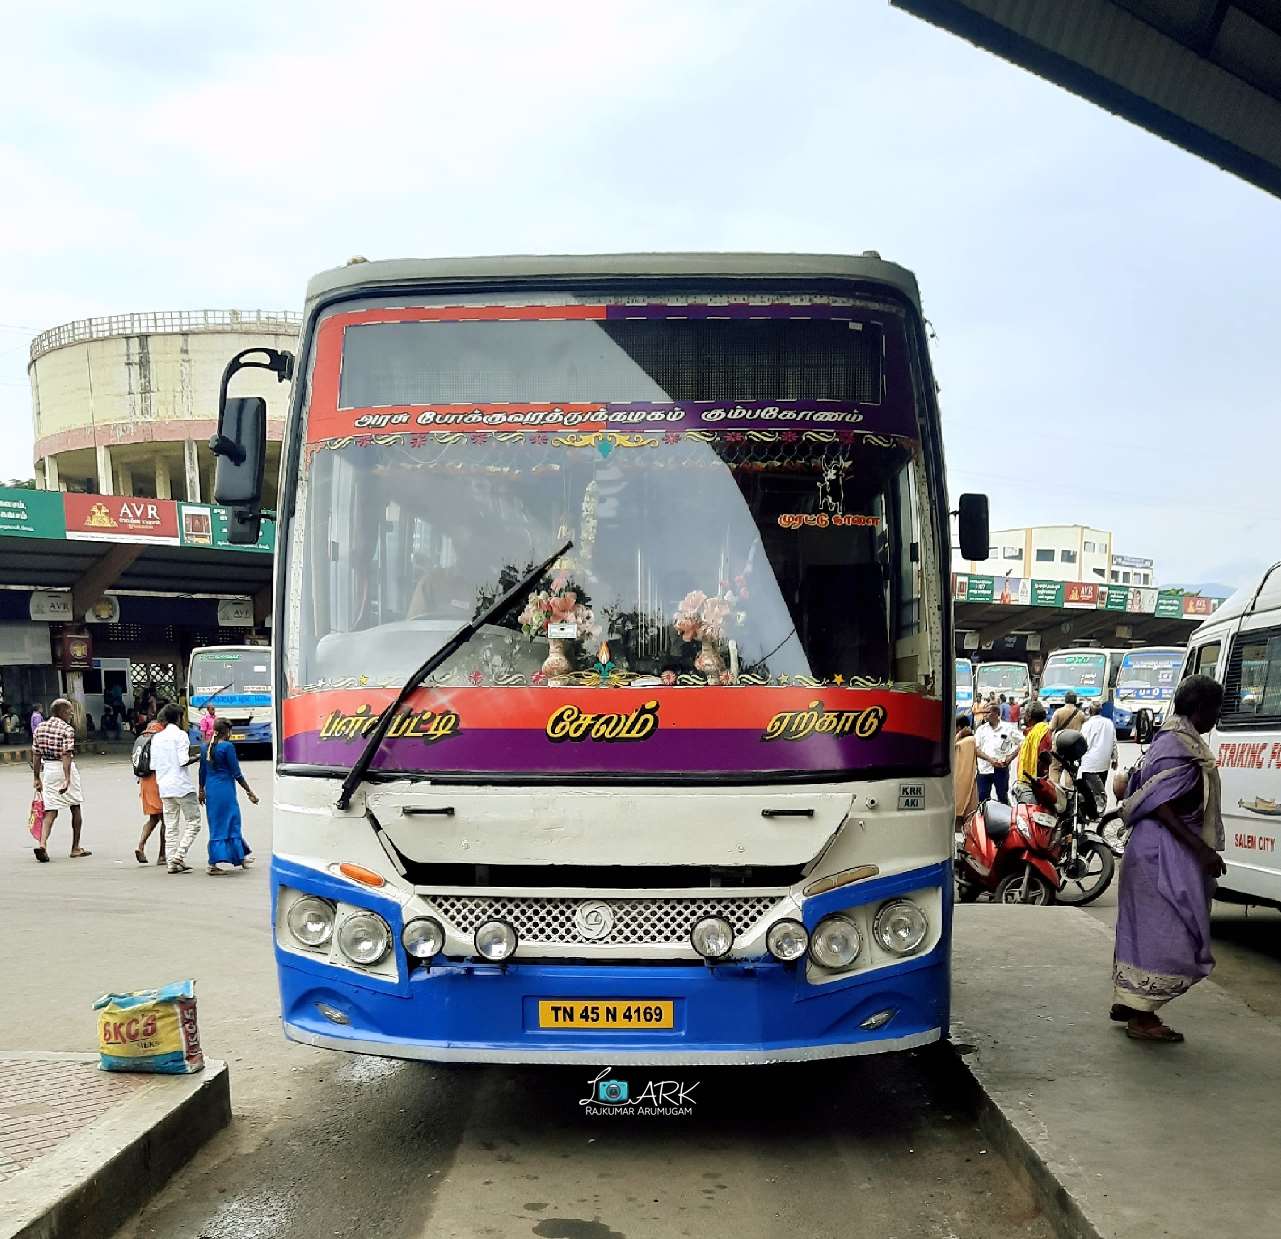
pixel 1026 887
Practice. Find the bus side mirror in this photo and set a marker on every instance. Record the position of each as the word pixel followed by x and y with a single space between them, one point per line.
pixel 241 448
pixel 971 523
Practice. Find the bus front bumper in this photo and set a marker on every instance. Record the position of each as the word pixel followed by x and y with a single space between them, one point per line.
pixel 751 1011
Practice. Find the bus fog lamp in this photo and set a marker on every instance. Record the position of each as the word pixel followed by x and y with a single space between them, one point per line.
pixel 311 920
pixel 712 937
pixel 835 942
pixel 787 940
pixel 423 938
pixel 495 941
pixel 364 938
pixel 900 927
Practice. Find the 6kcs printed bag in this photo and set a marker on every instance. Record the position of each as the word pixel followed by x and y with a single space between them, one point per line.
pixel 150 1030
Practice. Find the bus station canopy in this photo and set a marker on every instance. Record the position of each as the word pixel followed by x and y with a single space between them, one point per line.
pixel 1204 74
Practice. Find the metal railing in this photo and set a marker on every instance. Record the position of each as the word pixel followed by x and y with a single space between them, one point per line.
pixel 161 322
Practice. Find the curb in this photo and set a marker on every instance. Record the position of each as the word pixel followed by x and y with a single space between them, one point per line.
pixel 87 1188
pixel 1006 1136
pixel 13 755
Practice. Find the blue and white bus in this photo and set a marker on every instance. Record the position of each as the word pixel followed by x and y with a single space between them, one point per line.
pixel 964 686
pixel 612 602
pixel 1146 680
pixel 236 681
pixel 1090 673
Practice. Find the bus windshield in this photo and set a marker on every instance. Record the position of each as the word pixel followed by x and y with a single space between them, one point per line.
pixel 1085 673
pixel 781 563
pixel 230 677
pixel 1149 674
pixel 1007 678
pixel 964 680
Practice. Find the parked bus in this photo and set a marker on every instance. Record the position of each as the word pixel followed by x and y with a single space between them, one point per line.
pixel 964 686
pixel 1241 648
pixel 1146 681
pixel 1011 679
pixel 236 681
pixel 611 598
pixel 1090 673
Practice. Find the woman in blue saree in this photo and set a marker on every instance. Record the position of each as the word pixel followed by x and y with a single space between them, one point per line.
pixel 1171 861
pixel 219 774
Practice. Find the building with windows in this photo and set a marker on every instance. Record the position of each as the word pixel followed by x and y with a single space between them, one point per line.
pixel 1059 553
pixel 123 405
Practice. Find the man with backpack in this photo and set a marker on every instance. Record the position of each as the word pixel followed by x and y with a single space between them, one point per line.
pixel 171 760
pixel 148 791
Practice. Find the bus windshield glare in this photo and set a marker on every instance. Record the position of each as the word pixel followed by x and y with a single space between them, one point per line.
pixel 1083 672
pixel 1001 678
pixel 720 542
pixel 1149 674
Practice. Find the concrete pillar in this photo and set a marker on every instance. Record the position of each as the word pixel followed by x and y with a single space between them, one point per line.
pixel 75 693
pixel 104 470
pixel 191 463
pixel 124 480
pixel 162 479
pixel 50 474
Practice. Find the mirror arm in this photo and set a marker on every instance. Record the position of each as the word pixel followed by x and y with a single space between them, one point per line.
pixel 279 361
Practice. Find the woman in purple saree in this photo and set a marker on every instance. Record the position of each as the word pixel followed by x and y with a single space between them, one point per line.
pixel 1171 861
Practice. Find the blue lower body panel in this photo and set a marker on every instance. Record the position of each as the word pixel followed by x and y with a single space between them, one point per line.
pixel 740 1012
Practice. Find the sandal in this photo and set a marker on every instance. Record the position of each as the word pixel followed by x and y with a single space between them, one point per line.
pixel 214 871
pixel 41 855
pixel 140 856
pixel 1153 1032
pixel 79 852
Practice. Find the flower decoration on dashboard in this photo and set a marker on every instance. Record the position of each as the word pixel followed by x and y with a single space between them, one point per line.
pixel 558 605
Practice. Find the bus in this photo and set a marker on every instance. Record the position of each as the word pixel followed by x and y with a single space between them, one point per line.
pixel 964 686
pixel 611 597
pixel 1011 679
pixel 236 681
pixel 1146 680
pixel 1241 648
pixel 1090 673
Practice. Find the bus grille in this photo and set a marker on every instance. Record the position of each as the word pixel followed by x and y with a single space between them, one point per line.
pixel 628 922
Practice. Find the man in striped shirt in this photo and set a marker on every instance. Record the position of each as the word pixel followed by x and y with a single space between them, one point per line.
pixel 53 748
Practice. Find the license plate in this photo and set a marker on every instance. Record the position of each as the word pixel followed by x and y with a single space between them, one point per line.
pixel 237 735
pixel 617 1013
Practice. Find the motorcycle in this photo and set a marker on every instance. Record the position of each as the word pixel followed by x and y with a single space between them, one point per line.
pixel 1037 853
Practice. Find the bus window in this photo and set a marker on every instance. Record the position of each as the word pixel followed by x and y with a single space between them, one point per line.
pixel 1253 689
pixel 1206 660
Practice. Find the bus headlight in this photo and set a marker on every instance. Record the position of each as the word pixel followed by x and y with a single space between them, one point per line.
pixel 423 938
pixel 311 920
pixel 787 940
pixel 712 937
pixel 900 926
pixel 495 941
pixel 835 942
pixel 364 938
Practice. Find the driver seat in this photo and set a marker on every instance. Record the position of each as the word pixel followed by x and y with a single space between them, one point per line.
pixel 997 819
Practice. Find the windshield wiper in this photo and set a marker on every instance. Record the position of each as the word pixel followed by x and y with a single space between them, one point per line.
pixel 356 775
pixel 212 695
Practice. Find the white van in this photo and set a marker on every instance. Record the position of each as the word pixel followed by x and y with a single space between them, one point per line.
pixel 1240 646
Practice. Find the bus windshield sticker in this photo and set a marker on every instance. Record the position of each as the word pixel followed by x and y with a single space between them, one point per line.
pixel 426 725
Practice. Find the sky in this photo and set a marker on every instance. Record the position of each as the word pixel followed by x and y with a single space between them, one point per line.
pixel 1107 307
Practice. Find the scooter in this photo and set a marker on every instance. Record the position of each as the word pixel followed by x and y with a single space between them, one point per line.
pixel 1085 862
pixel 1012 851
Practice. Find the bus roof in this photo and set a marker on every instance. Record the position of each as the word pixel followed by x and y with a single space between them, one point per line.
pixel 1263 595
pixel 370 277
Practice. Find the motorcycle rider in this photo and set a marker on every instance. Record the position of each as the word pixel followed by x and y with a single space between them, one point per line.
pixel 1068 716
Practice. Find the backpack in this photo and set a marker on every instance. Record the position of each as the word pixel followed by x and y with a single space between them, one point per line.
pixel 140 758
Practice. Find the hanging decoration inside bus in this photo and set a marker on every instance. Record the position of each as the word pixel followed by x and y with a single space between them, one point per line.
pixel 709 730
pixel 826 520
pixel 398 379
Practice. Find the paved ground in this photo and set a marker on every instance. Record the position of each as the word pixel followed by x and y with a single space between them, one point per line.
pixel 331 1145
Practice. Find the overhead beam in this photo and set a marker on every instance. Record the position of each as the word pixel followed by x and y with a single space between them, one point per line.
pixel 101 575
pixel 1003 627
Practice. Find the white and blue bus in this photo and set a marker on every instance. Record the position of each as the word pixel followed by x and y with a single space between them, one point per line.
pixel 236 681
pixel 612 602
pixel 1088 672
pixel 964 686
pixel 1146 680
pixel 1010 680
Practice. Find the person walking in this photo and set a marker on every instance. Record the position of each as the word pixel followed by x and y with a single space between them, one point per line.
pixel 152 807
pixel 171 760
pixel 965 789
pixel 997 743
pixel 1005 709
pixel 1100 734
pixel 208 717
pixel 37 717
pixel 1172 859
pixel 53 762
pixel 219 774
pixel 1016 711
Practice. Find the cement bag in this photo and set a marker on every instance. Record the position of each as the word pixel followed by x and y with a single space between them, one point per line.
pixel 150 1030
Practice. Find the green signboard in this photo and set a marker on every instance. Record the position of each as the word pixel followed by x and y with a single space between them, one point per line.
pixel 202 525
pixel 979 589
pixel 1114 598
pixel 1047 593
pixel 31 514
pixel 1169 604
